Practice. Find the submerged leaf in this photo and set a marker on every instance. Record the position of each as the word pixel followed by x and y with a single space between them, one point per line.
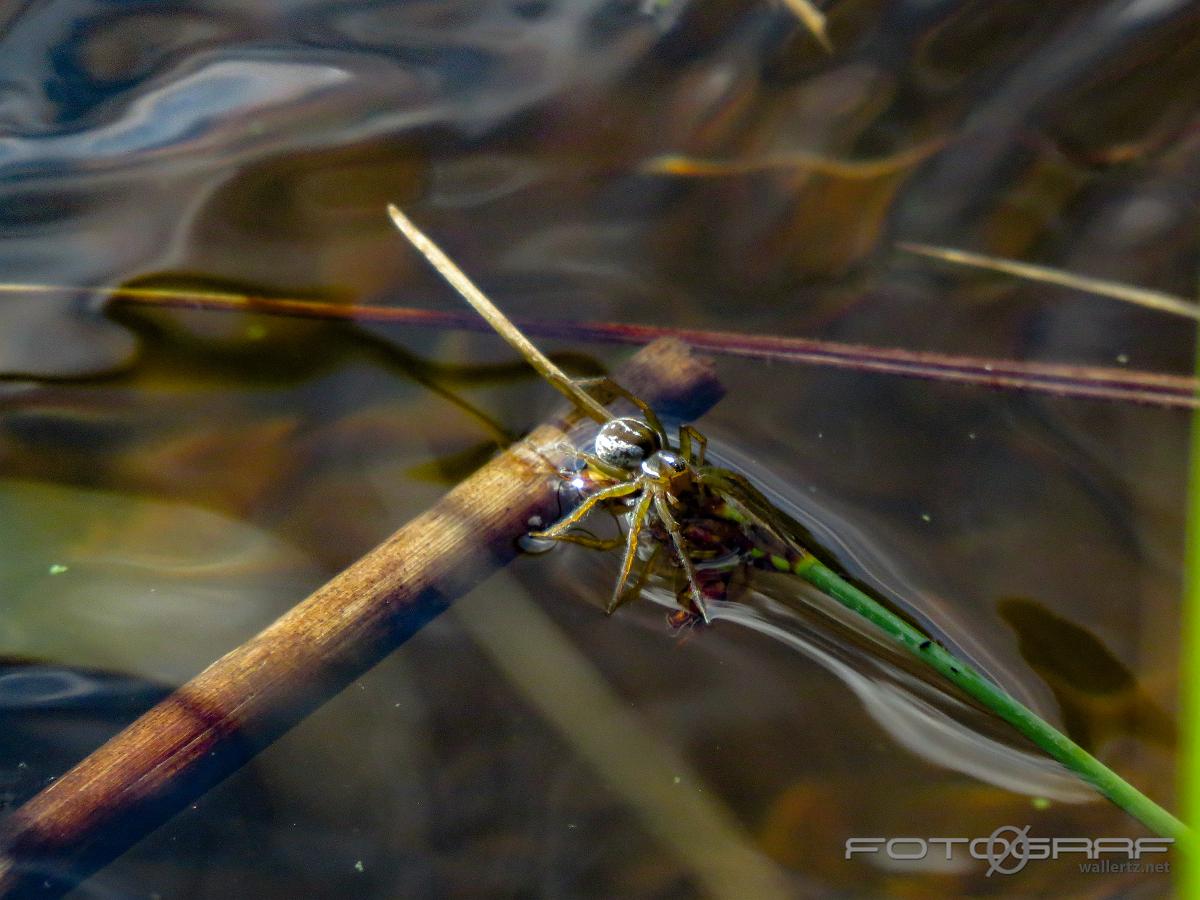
pixel 154 589
pixel 1098 694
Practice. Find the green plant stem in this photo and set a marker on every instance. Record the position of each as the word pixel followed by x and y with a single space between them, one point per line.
pixel 977 686
pixel 1187 875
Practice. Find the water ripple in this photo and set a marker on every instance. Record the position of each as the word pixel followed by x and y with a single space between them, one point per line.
pixel 180 111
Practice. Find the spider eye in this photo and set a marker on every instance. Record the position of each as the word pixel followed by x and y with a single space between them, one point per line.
pixel 626 443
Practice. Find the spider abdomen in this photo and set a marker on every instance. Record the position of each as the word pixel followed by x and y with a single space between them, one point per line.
pixel 626 443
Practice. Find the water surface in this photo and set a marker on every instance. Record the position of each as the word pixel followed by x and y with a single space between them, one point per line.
pixel 170 481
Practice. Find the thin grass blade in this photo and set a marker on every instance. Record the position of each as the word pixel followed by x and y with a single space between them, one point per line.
pixel 499 321
pixel 1127 293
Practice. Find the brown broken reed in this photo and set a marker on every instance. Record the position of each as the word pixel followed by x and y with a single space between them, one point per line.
pixel 242 702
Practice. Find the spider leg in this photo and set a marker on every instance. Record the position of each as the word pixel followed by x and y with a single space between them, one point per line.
pixel 601 466
pixel 690 439
pixel 640 582
pixel 609 493
pixel 640 512
pixel 616 473
pixel 592 543
pixel 752 508
pixel 664 513
pixel 651 418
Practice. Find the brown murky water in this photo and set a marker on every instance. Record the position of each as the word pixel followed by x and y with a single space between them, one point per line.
pixel 170 481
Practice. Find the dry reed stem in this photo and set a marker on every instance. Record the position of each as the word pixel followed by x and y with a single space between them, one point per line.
pixel 241 703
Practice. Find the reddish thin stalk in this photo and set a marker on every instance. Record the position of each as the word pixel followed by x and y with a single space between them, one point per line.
pixel 1062 379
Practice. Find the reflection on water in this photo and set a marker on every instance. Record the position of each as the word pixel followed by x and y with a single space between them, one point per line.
pixel 195 472
pixel 905 711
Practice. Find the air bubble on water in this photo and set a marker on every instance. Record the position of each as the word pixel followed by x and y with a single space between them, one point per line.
pixel 529 544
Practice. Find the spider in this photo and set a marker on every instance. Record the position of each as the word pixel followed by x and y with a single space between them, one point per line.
pixel 708 514
pixel 714 518
pixel 655 481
